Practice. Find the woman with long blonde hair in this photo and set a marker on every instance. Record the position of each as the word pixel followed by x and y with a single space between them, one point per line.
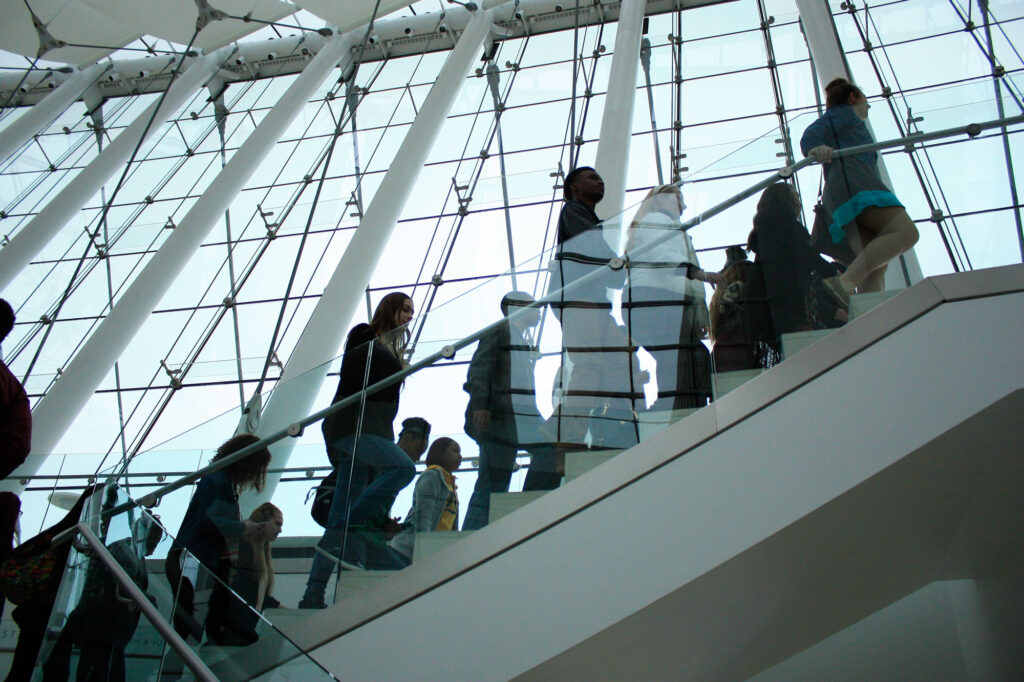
pixel 253 581
pixel 665 311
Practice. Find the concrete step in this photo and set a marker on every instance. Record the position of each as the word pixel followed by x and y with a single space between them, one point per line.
pixel 861 303
pixel 503 504
pixel 579 463
pixel 723 382
pixel 653 422
pixel 429 543
pixel 795 342
pixel 354 582
pixel 281 618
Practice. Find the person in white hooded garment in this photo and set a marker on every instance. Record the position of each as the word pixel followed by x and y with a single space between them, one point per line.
pixel 665 311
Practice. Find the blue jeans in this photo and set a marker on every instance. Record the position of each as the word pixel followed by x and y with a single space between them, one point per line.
pixel 497 461
pixel 493 476
pixel 356 498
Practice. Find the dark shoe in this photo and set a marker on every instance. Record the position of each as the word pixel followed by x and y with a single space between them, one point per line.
pixel 308 602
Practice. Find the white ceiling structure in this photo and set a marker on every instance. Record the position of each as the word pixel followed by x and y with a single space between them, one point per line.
pixel 92 29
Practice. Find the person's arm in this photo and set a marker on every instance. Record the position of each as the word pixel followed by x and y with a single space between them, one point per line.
pixel 814 141
pixel 219 511
pixel 479 378
pixel 696 273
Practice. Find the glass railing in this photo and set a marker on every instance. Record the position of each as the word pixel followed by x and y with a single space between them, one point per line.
pixel 591 348
pixel 96 630
pixel 533 376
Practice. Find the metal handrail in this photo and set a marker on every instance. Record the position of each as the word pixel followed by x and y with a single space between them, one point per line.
pixel 295 429
pixel 173 639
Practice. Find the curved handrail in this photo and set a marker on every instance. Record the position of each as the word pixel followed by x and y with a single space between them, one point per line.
pixel 188 656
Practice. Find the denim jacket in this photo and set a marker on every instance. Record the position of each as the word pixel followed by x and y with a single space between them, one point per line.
pixel 840 127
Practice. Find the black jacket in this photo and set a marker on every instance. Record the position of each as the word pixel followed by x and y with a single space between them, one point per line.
pixel 381 407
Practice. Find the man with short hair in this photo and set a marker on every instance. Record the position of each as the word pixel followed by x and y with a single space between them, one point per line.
pixel 15 413
pixel 414 436
pixel 502 415
pixel 605 381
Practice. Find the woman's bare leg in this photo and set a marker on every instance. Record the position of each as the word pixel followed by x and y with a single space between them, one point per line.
pixel 875 281
pixel 894 233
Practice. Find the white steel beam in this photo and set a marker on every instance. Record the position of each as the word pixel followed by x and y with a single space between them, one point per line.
pixel 829 63
pixel 394 36
pixel 58 408
pixel 617 121
pixel 306 368
pixel 46 112
pixel 37 233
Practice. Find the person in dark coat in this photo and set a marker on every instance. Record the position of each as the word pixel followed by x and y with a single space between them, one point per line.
pixel 792 270
pixel 206 546
pixel 502 415
pixel 360 440
pixel 15 413
pixel 603 391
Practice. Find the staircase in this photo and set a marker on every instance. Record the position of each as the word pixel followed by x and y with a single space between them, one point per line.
pixel 868 484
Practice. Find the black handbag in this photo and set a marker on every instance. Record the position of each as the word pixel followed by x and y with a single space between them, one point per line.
pixel 821 239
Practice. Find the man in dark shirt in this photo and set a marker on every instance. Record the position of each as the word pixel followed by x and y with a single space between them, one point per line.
pixel 15 414
pixel 605 382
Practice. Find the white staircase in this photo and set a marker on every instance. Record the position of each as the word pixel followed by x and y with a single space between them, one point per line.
pixel 797 508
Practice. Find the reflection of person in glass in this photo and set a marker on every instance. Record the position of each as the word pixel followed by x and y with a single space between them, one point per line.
pixel 664 310
pixel 103 602
pixel 502 415
pixel 604 381
pixel 858 210
pixel 373 352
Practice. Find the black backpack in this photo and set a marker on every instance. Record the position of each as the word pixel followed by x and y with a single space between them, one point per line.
pixel 323 495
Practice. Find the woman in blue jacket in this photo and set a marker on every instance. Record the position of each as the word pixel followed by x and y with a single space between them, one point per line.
pixel 860 211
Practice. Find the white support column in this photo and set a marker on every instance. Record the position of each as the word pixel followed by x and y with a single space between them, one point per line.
pixel 612 160
pixel 35 235
pixel 323 335
pixel 57 410
pixel 830 63
pixel 45 112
